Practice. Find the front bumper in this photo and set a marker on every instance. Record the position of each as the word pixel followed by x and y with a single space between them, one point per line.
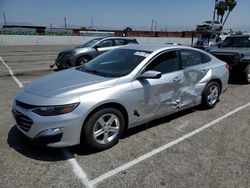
pixel 65 62
pixel 42 140
pixel 53 131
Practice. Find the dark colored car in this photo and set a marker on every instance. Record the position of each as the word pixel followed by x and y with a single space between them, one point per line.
pixel 235 51
pixel 209 25
pixel 85 52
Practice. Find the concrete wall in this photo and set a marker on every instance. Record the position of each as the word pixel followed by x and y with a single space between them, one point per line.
pixel 75 40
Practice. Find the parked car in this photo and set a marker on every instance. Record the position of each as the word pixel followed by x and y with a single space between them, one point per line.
pixel 83 53
pixel 93 104
pixel 206 40
pixel 235 50
pixel 224 35
pixel 209 25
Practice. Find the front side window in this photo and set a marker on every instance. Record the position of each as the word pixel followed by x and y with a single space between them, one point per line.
pixel 119 42
pixel 165 63
pixel 190 58
pixel 106 43
pixel 89 43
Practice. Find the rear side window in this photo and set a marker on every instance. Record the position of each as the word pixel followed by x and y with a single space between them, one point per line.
pixel 205 58
pixel 190 58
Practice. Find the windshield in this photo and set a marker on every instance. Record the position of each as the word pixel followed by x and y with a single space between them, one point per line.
pixel 115 63
pixel 89 43
pixel 237 42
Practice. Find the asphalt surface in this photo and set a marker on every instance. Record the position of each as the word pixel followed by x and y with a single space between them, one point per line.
pixel 218 156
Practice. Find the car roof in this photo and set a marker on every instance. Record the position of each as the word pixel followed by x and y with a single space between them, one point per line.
pixel 153 48
pixel 126 38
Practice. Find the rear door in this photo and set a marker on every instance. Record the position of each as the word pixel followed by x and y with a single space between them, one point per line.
pixel 197 71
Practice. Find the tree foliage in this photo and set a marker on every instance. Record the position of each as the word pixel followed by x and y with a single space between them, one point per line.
pixel 222 7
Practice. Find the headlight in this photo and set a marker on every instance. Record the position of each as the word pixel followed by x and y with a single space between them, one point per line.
pixel 55 110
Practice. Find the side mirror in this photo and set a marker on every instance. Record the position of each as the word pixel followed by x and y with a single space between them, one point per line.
pixel 96 47
pixel 150 75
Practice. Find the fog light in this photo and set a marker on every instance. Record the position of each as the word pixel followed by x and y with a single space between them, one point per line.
pixel 50 132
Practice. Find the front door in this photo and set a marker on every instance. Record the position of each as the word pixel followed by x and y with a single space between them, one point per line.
pixel 155 97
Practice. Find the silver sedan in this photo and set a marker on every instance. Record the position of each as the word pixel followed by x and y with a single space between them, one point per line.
pixel 125 87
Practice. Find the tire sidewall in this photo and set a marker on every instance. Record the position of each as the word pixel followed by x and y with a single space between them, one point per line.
pixel 78 63
pixel 246 73
pixel 87 133
pixel 205 93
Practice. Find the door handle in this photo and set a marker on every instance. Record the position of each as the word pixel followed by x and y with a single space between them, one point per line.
pixel 177 79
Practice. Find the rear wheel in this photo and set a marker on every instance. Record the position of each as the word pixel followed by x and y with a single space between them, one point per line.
pixel 103 129
pixel 82 60
pixel 210 95
pixel 246 74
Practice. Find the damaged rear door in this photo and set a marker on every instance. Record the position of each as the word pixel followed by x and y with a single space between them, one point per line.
pixel 197 72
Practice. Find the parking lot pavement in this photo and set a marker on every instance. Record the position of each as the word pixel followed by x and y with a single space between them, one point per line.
pixel 215 157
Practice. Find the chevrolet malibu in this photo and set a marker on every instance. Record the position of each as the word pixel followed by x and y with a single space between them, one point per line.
pixel 93 104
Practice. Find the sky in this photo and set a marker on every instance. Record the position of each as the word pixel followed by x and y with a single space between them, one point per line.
pixel 115 14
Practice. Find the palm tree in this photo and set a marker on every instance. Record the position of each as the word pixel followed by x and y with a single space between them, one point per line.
pixel 230 4
pixel 221 8
pixel 216 1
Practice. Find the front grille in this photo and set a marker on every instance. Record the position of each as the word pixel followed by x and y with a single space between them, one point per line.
pixel 230 58
pixel 23 121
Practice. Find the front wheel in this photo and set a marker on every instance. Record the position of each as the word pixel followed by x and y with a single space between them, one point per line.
pixel 82 60
pixel 103 129
pixel 210 95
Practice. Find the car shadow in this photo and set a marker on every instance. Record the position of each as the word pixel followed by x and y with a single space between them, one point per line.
pixel 156 122
pixel 26 148
pixel 78 150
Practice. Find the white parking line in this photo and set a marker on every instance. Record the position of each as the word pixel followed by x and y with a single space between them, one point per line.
pixel 26 82
pixel 78 171
pixel 162 148
pixel 12 74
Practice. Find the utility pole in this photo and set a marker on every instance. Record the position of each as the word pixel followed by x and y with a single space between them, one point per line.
pixel 155 25
pixel 65 23
pixel 92 23
pixel 4 18
pixel 215 9
pixel 152 25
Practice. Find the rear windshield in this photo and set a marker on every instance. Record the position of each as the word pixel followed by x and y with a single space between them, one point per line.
pixel 115 63
pixel 236 42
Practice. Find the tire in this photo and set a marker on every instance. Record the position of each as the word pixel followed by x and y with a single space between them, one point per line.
pixel 210 95
pixel 103 129
pixel 82 60
pixel 246 74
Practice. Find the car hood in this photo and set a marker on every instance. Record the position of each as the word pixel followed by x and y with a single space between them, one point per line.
pixel 231 50
pixel 68 51
pixel 69 82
